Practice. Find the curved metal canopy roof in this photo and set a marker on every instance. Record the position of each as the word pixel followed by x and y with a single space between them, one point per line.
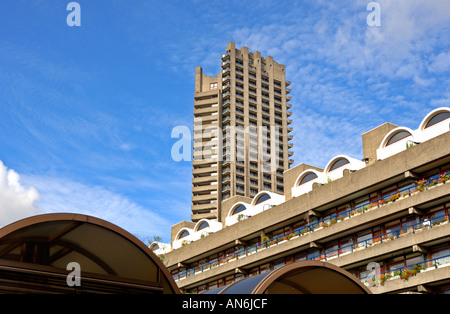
pixel 304 277
pixel 35 252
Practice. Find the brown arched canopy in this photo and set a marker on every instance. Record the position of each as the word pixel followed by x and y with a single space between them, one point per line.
pixel 35 253
pixel 304 277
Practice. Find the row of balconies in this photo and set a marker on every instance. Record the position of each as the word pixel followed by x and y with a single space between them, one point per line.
pixel 432 185
pixel 226 68
pixel 414 233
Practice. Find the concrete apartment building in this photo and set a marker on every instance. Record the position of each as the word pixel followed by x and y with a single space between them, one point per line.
pixel 382 217
pixel 241 131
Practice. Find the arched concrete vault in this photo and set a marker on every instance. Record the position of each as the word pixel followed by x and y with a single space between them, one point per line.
pixel 304 277
pixel 35 252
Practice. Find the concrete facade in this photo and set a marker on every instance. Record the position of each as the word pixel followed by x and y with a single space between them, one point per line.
pixel 375 214
pixel 231 151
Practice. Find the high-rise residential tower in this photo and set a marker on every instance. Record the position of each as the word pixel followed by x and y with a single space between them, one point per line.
pixel 241 130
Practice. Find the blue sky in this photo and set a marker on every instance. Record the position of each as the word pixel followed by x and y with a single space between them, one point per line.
pixel 87 112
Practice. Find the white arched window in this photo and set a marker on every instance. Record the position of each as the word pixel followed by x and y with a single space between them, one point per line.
pixel 338 164
pixel 238 209
pixel 435 123
pixel 262 198
pixel 438 118
pixel 183 234
pixel 400 135
pixel 307 178
pixel 395 141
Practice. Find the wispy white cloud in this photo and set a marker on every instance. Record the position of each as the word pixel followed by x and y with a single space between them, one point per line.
pixel 16 200
pixel 348 77
pixel 61 195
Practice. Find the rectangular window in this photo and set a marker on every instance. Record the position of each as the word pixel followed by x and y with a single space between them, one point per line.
pixel 364 239
pixel 441 256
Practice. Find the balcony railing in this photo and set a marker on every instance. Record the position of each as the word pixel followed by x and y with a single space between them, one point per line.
pixel 331 220
pixel 406 271
pixel 325 256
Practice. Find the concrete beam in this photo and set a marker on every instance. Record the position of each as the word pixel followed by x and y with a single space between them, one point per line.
pixel 413 210
pixel 419 248
pixel 315 244
pixel 240 242
pixel 424 289
pixel 310 213
pixel 412 175
pixel 240 271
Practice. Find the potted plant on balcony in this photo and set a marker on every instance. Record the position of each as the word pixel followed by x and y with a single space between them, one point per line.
pixel 264 241
pixel 385 277
pixel 241 217
pixel 273 242
pixel 421 185
pixel 395 197
pixel 443 178
pixel 433 184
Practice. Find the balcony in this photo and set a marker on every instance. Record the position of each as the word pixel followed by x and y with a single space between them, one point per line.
pixel 288 98
pixel 289 129
pixel 204 188
pixel 203 197
pixel 204 179
pixel 424 231
pixel 201 170
pixel 288 83
pixel 226 178
pixel 288 90
pixel 202 207
pixel 288 106
pixel 205 111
